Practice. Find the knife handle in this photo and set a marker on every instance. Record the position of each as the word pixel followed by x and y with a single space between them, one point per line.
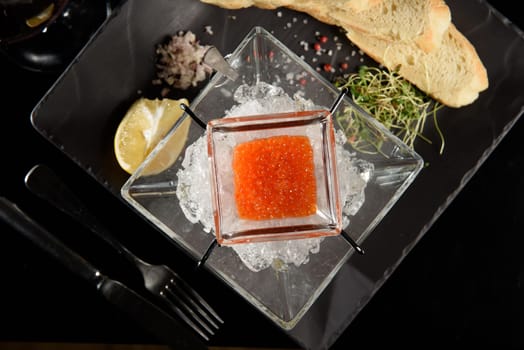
pixel 44 183
pixel 165 327
pixel 18 219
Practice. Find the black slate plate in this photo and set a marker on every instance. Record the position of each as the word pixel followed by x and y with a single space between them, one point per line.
pixel 81 111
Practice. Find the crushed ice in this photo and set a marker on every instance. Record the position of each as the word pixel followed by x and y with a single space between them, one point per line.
pixel 195 197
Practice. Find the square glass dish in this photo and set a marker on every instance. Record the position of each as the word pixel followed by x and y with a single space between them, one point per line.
pixel 373 169
pixel 273 177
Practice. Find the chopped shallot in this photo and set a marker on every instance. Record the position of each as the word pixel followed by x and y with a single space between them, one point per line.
pixel 179 62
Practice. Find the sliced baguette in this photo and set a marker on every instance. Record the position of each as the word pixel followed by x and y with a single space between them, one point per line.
pixel 416 38
pixel 422 21
pixel 355 5
pixel 239 4
pixel 453 74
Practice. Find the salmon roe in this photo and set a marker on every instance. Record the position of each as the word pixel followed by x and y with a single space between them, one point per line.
pixel 274 178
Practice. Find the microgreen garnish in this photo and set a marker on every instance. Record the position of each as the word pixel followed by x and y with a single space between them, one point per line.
pixel 392 100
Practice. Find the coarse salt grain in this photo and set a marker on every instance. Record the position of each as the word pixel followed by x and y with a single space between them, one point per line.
pixel 209 30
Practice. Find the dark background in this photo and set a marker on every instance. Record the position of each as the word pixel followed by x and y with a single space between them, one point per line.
pixel 462 285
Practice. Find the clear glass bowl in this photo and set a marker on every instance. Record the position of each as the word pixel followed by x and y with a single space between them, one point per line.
pixel 373 169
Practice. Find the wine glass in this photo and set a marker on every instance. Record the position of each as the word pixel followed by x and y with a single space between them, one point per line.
pixel 45 35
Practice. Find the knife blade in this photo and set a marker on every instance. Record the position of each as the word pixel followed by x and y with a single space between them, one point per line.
pixel 154 320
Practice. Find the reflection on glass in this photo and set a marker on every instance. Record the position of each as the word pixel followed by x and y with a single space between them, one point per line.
pixel 45 35
pixel 23 19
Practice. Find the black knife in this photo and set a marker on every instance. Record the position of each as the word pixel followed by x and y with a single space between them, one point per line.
pixel 158 323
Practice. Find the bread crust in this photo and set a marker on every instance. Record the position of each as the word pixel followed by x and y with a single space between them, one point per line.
pixel 439 19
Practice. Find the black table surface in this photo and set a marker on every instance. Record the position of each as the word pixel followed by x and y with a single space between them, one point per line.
pixel 463 283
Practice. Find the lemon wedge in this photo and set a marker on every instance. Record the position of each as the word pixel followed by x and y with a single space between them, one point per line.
pixel 145 123
pixel 40 18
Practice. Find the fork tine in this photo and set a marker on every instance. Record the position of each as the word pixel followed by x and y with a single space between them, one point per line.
pixel 193 295
pixel 175 297
pixel 185 293
pixel 184 317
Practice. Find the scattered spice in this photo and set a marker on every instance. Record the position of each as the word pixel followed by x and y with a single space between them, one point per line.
pixel 209 30
pixel 323 39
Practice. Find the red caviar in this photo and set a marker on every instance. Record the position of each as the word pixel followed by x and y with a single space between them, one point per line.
pixel 275 178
